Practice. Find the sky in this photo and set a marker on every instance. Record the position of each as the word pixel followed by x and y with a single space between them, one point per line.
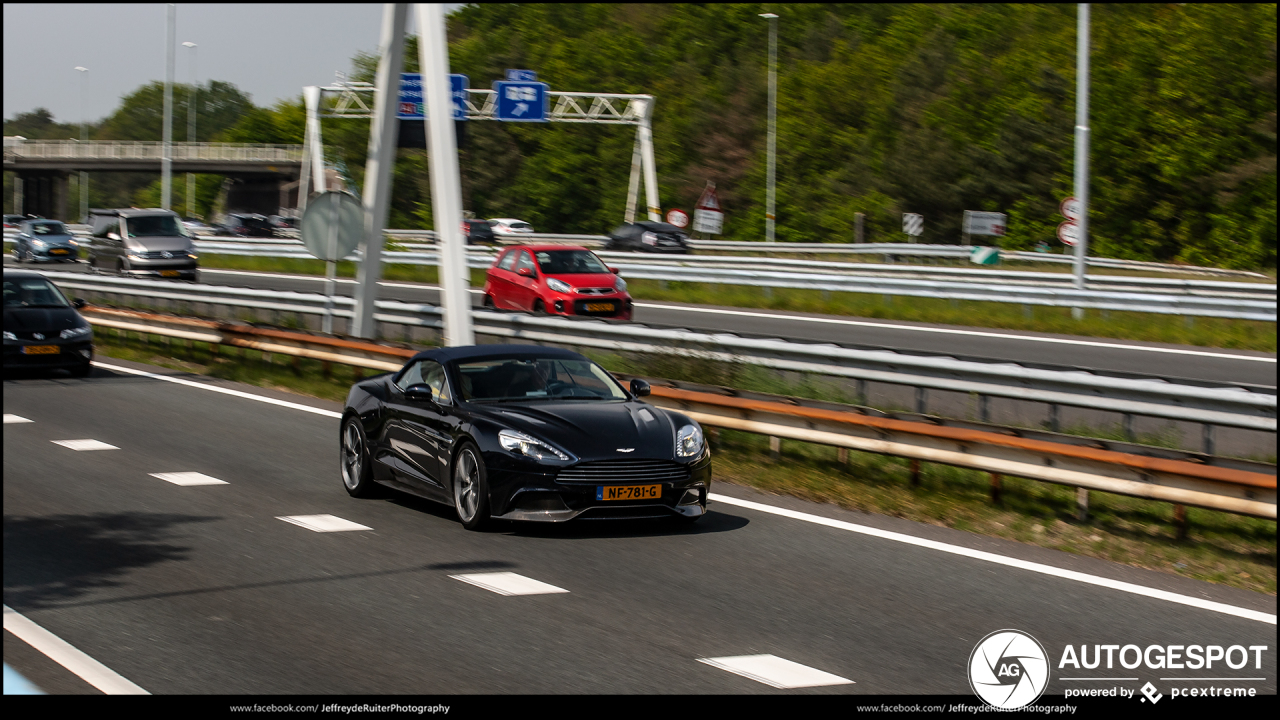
pixel 270 51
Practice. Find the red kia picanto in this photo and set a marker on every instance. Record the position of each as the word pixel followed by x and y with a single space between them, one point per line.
pixel 557 280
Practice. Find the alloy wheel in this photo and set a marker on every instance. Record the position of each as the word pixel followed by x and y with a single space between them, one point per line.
pixel 466 485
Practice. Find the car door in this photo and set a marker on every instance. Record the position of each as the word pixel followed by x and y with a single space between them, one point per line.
pixel 502 279
pixel 413 433
pixel 525 287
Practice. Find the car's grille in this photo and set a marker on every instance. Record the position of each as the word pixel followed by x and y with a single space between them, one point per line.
pixel 595 291
pixel 624 471
pixel 163 255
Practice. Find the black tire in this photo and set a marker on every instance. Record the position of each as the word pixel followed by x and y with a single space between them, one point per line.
pixel 470 487
pixel 539 308
pixel 488 303
pixel 357 465
pixel 120 268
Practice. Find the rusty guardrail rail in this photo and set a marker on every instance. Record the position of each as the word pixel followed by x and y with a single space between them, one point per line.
pixel 1185 480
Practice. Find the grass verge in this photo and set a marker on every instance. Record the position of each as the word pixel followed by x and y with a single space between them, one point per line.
pixel 1150 327
pixel 1221 547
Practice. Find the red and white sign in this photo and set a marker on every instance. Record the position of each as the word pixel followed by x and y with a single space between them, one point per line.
pixel 707 216
pixel 1070 209
pixel 1068 233
pixel 678 217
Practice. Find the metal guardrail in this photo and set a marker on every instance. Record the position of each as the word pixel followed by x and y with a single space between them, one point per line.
pixel 148 150
pixel 1211 404
pixel 991 449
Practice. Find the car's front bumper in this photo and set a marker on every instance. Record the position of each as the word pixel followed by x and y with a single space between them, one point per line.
pixel 183 266
pixel 71 353
pixel 50 254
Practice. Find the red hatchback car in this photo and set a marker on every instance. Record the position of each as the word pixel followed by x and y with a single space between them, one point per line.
pixel 558 280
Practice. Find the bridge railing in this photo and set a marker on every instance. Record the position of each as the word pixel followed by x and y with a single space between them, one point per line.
pixel 148 150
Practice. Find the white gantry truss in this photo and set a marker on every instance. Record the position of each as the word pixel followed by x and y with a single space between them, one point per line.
pixel 354 100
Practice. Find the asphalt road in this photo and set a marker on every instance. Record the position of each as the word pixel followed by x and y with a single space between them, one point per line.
pixel 203 589
pixel 1147 359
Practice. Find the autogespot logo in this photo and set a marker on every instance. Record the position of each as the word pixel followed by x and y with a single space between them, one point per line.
pixel 1008 669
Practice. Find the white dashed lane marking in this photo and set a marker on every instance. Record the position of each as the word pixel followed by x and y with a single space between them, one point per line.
pixel 775 671
pixel 8 419
pixel 187 479
pixel 84 444
pixel 323 523
pixel 509 583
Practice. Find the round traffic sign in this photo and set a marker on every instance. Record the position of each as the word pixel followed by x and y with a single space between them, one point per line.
pixel 678 217
pixel 1068 233
pixel 1070 208
pixel 332 225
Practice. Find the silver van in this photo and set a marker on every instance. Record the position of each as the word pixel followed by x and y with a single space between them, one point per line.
pixel 142 242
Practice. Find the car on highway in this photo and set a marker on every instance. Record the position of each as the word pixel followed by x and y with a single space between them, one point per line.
pixel 137 241
pixel 522 432
pixel 510 226
pixel 478 231
pixel 196 226
pixel 240 224
pixel 557 280
pixel 42 328
pixel 11 222
pixel 284 222
pixel 44 241
pixel 649 236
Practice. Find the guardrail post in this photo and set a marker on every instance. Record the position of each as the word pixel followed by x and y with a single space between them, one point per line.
pixel 842 455
pixel 1180 520
pixel 915 472
pixel 775 446
pixel 1082 504
pixel 997 486
pixel 1206 439
pixel 862 391
pixel 1129 434
pixel 1053 417
pixel 922 401
pixel 984 408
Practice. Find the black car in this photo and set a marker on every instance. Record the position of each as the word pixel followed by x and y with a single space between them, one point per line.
pixel 42 329
pixel 649 236
pixel 245 225
pixel 479 231
pixel 44 241
pixel 522 432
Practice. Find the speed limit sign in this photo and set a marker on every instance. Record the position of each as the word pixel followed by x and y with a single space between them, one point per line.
pixel 678 217
pixel 1069 233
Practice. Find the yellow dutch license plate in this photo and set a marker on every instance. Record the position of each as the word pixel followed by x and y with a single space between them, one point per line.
pixel 168 273
pixel 41 349
pixel 58 251
pixel 628 492
pixel 599 307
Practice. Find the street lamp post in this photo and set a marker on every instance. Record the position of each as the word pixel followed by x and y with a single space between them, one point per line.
pixel 191 130
pixel 771 187
pixel 84 137
pixel 166 155
pixel 1081 175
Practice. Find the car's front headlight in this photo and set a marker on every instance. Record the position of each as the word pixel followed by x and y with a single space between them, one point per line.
pixel 9 336
pixel 38 242
pixel 648 238
pixel 689 441
pixel 529 446
pixel 558 285
pixel 76 332
pixel 619 284
pixel 133 252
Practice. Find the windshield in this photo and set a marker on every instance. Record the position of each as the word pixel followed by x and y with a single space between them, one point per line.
pixel 155 226
pixel 537 379
pixel 555 262
pixel 48 228
pixel 32 292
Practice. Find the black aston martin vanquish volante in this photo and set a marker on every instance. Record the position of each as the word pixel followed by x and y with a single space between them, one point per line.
pixel 522 432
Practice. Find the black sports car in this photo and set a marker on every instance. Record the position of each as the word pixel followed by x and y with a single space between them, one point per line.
pixel 42 329
pixel 522 432
pixel 648 236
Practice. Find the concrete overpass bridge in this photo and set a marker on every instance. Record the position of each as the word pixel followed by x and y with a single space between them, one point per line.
pixel 44 166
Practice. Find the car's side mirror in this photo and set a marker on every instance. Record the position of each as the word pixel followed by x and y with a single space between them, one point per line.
pixel 113 236
pixel 613 270
pixel 639 388
pixel 525 271
pixel 78 303
pixel 420 392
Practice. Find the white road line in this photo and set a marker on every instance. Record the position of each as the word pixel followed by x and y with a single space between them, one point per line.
pixel 323 523
pixel 509 583
pixel 775 671
pixel 224 391
pixel 69 657
pixel 836 321
pixel 189 479
pixel 9 419
pixel 952 331
pixel 897 537
pixel 81 445
pixel 1007 561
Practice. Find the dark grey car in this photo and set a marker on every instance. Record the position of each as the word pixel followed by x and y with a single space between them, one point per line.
pixel 42 328
pixel 142 242
pixel 44 241
pixel 649 236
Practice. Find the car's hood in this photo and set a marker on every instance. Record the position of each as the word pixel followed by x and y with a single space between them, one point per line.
pixel 171 243
pixel 53 239
pixel 593 429
pixel 586 280
pixel 50 321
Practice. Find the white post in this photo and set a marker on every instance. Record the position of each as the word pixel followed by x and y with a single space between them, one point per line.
pixel 446 185
pixel 383 134
pixel 84 138
pixel 633 187
pixel 191 131
pixel 1082 146
pixel 650 170
pixel 166 156
pixel 770 201
pixel 311 95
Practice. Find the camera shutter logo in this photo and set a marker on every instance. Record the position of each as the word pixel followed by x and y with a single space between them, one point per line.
pixel 1008 669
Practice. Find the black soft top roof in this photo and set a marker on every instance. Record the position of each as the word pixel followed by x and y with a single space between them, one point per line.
pixel 496 352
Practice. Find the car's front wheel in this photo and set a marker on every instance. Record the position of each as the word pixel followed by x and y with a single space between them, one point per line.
pixel 470 488
pixel 357 473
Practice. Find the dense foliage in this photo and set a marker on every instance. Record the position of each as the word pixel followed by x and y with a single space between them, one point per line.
pixel 882 109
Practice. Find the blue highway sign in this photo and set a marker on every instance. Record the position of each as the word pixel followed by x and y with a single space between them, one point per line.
pixel 521 101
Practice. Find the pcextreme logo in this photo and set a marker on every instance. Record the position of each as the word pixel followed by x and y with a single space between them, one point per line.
pixel 1008 669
